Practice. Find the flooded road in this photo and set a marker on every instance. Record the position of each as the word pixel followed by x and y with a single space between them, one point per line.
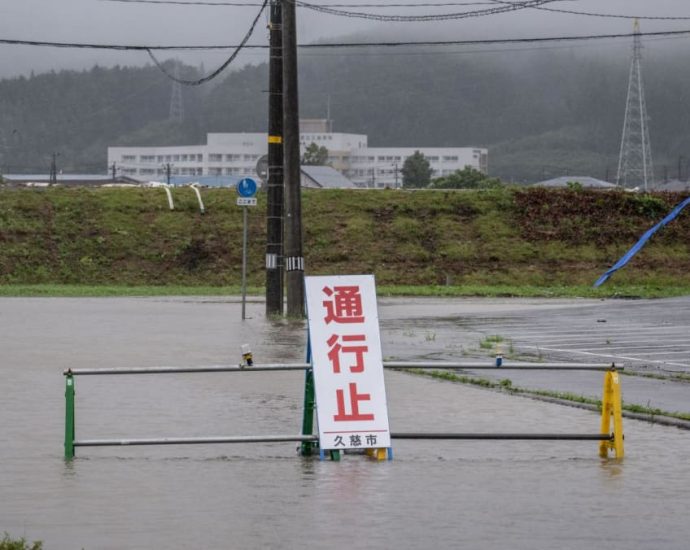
pixel 529 495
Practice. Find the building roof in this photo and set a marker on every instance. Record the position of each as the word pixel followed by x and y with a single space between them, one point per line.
pixel 585 181
pixel 673 185
pixel 66 179
pixel 324 177
pixel 208 181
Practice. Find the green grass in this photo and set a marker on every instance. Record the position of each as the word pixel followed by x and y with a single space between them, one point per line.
pixel 78 291
pixel 8 543
pixel 507 386
pixel 530 291
pixel 75 290
pixel 504 242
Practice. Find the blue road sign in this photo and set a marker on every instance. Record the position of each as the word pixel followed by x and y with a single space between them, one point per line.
pixel 246 187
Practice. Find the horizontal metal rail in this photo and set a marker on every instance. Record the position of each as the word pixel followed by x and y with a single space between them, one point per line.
pixel 504 436
pixel 386 364
pixel 307 438
pixel 195 440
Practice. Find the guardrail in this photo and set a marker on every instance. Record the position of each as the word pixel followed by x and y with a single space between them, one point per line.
pixel 610 435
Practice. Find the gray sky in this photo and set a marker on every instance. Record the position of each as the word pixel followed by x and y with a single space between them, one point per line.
pixel 99 21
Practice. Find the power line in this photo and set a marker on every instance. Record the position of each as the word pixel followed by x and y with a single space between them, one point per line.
pixel 184 3
pixel 502 8
pixel 377 5
pixel 533 40
pixel 614 15
pixel 538 40
pixel 214 74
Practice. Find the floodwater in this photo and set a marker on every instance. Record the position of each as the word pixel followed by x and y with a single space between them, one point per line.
pixel 531 495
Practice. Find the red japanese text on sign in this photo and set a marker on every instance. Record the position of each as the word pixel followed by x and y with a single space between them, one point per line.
pixel 355 398
pixel 344 305
pixel 358 351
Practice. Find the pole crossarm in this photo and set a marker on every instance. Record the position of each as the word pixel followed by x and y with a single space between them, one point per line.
pixel 401 365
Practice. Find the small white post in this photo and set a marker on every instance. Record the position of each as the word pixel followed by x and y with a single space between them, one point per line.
pixel 169 193
pixel 198 196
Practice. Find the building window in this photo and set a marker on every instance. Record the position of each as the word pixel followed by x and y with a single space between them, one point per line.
pixel 147 158
pixel 214 157
pixel 128 158
pixel 450 159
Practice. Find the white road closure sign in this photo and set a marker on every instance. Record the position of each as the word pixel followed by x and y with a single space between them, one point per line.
pixel 348 365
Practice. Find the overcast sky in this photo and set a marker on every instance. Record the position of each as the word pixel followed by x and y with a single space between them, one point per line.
pixel 101 21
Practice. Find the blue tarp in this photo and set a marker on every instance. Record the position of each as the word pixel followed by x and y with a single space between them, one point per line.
pixel 643 240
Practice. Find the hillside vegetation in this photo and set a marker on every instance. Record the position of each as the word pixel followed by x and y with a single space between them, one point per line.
pixel 499 237
pixel 541 113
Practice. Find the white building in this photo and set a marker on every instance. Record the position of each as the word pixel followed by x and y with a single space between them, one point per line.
pixel 237 155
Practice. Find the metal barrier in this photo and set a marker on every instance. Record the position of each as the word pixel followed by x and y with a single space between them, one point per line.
pixel 610 435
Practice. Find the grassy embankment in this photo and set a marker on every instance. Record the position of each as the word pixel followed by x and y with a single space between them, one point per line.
pixel 76 242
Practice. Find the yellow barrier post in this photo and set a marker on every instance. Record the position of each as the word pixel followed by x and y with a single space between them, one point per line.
pixel 612 413
pixel 378 454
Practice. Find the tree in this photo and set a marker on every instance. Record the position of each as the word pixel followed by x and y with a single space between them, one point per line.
pixel 467 178
pixel 315 155
pixel 416 171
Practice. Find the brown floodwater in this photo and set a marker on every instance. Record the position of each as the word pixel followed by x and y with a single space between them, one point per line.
pixel 518 495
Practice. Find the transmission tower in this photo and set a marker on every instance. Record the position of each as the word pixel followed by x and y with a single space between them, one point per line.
pixel 176 104
pixel 635 168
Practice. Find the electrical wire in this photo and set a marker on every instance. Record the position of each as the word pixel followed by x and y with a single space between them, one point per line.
pixel 534 40
pixel 325 45
pixel 220 69
pixel 414 5
pixel 502 8
pixel 607 15
pixel 377 5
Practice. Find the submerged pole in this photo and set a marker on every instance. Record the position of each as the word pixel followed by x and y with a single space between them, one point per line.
pixel 69 416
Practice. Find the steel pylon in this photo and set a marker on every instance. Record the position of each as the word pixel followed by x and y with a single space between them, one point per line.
pixel 635 168
pixel 176 103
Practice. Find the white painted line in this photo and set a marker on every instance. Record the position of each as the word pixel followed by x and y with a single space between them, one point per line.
pixel 609 356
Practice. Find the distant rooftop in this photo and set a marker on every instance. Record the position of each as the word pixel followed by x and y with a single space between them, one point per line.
pixel 324 177
pixel 585 181
pixel 60 177
pixel 673 185
pixel 66 179
pixel 206 181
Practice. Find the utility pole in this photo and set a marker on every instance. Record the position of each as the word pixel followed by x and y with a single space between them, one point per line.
pixel 168 171
pixel 275 194
pixel 294 260
pixel 53 169
pixel 114 171
pixel 396 175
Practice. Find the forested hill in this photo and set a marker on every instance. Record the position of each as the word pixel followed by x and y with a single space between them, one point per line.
pixel 541 113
